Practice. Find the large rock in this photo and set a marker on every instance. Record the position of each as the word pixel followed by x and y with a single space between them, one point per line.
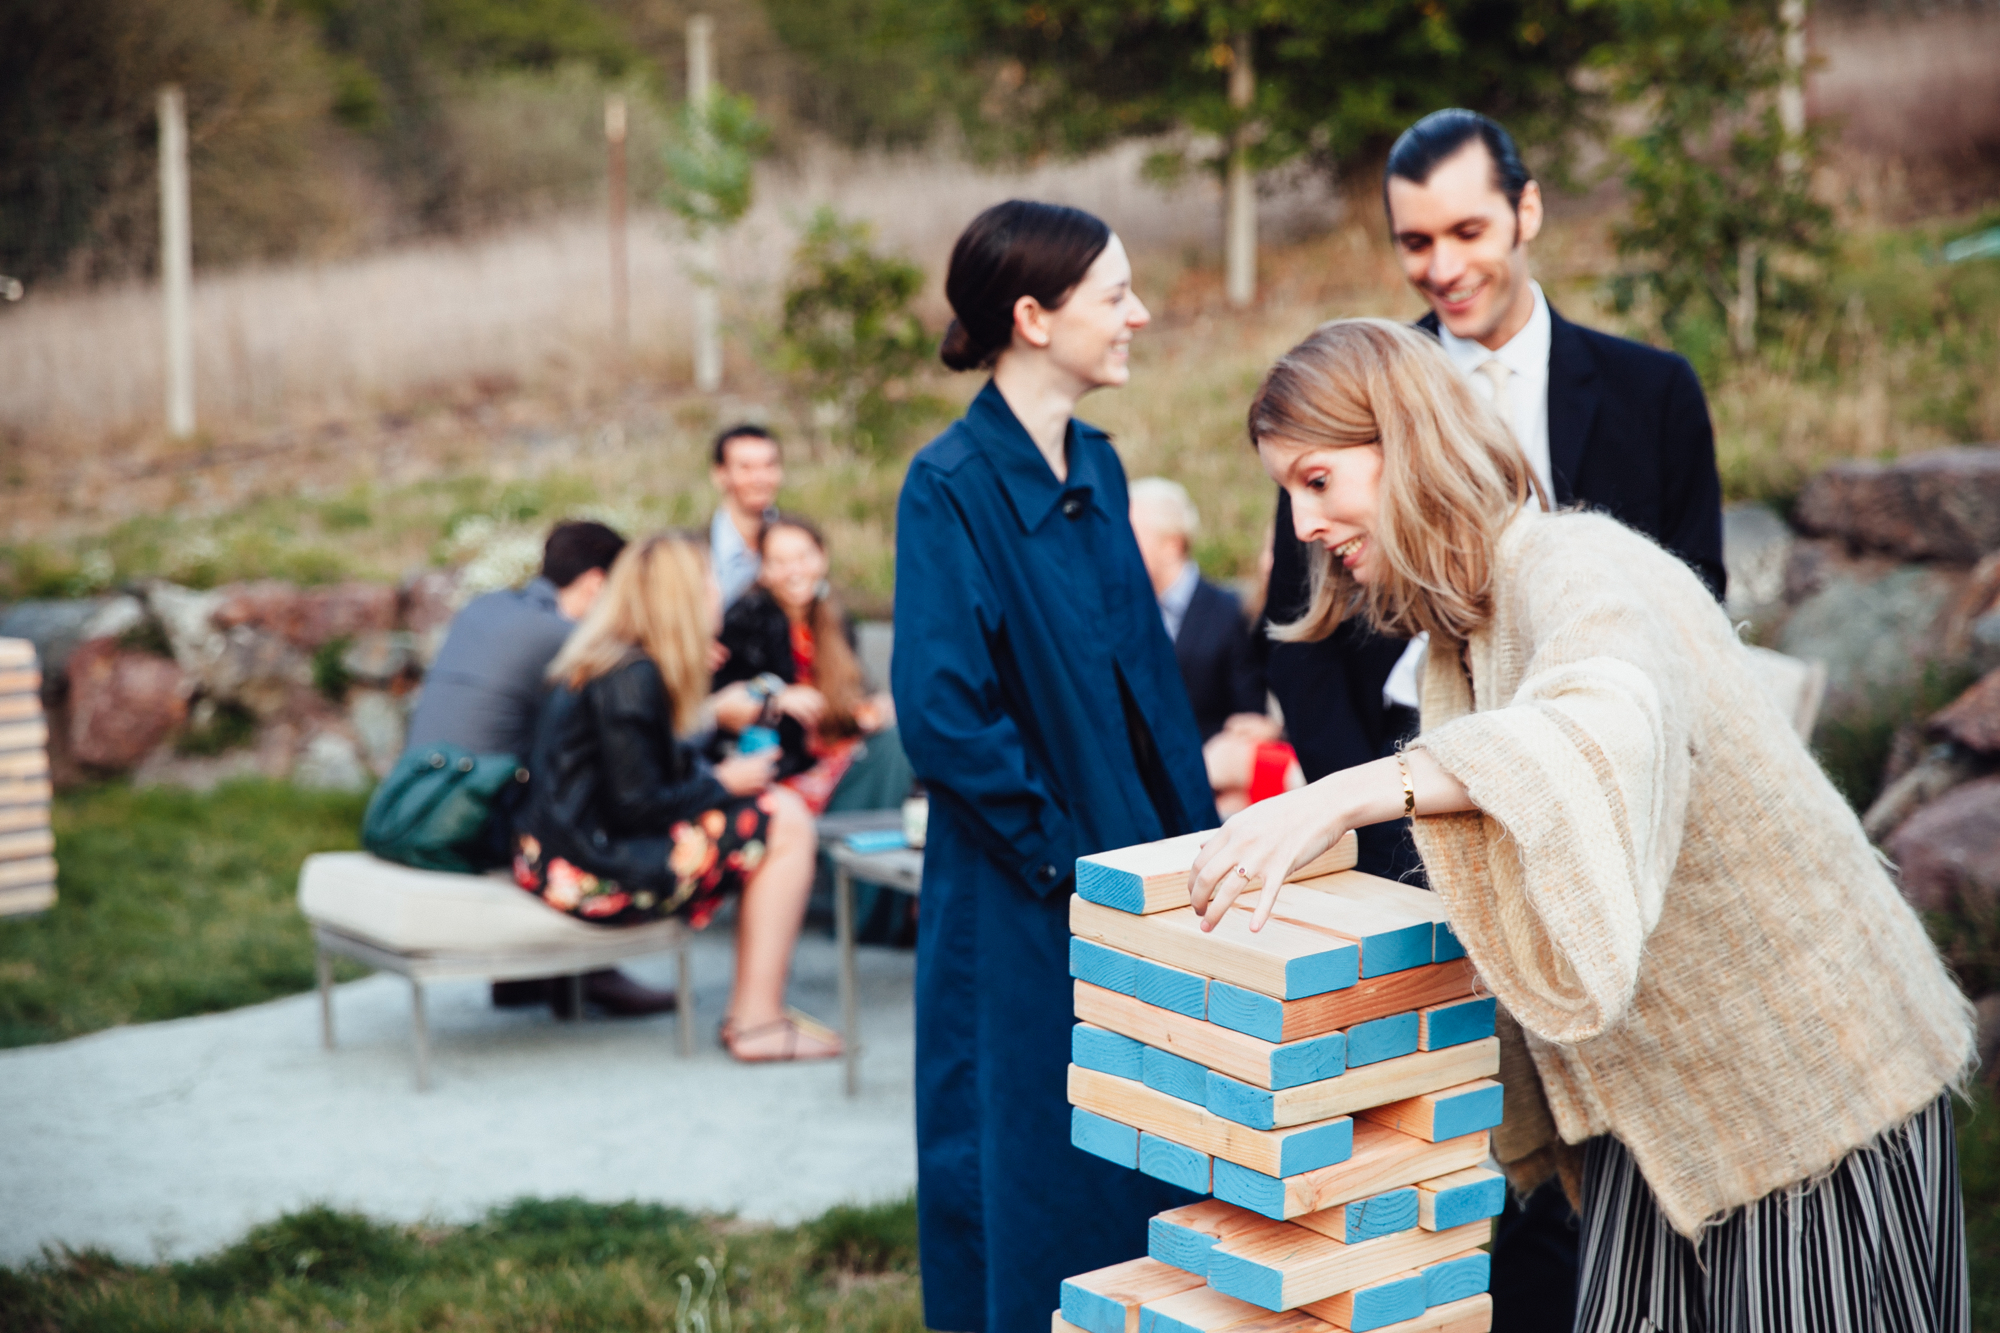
pixel 263 672
pixel 1949 852
pixel 187 618
pixel 307 618
pixel 379 727
pixel 380 657
pixel 1973 719
pixel 122 703
pixel 1756 546
pixel 1875 624
pixel 1936 506
pixel 331 763
pixel 54 627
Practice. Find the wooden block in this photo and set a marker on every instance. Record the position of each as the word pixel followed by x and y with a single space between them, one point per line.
pixel 1253 1060
pixel 1382 1039
pixel 1175 1075
pixel 1260 1015
pixel 26 842
pixel 33 870
pixel 1381 1159
pixel 30 735
pixel 1106 1052
pixel 14 818
pixel 1163 1159
pixel 1444 943
pixel 20 899
pixel 1108 1300
pixel 25 791
pixel 1283 1266
pixel 1455 1279
pixel 29 764
pixel 1455 1022
pixel 1356 1090
pixel 1377 1215
pixel 1474 1314
pixel 1171 989
pixel 1102 1137
pixel 1112 969
pixel 1282 960
pixel 1206 1310
pixel 20 680
pixel 1287 1152
pixel 1465 1108
pixel 19 707
pixel 1389 942
pixel 1471 1195
pixel 1153 876
pixel 1184 1236
pixel 1392 1300
pixel 17 652
pixel 1058 1324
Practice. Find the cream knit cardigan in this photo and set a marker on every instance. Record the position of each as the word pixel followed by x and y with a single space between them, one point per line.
pixel 1708 959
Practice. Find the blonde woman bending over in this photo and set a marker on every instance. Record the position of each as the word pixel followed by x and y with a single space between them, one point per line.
pixel 626 823
pixel 1738 1039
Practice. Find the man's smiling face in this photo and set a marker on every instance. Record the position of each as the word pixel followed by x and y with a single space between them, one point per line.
pixel 1465 247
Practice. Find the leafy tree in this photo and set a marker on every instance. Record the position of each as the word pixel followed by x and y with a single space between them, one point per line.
pixel 849 335
pixel 710 160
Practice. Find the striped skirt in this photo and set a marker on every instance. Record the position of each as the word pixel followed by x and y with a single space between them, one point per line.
pixel 1878 1245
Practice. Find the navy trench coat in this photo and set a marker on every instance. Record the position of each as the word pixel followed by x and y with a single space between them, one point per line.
pixel 1030 663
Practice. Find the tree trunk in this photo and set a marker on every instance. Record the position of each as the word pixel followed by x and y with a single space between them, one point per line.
pixel 1239 227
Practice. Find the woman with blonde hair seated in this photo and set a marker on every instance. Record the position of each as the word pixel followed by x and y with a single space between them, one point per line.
pixel 1729 1034
pixel 625 822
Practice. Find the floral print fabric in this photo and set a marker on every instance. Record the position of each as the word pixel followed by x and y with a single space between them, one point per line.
pixel 708 858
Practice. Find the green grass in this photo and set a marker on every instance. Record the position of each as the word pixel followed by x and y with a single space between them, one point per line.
pixel 531 1265
pixel 170 903
pixel 1979 1169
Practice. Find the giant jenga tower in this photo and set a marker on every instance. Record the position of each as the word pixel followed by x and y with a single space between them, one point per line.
pixel 27 847
pixel 1327 1079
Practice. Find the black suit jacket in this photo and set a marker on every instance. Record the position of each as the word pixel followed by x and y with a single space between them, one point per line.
pixel 1628 434
pixel 1223 672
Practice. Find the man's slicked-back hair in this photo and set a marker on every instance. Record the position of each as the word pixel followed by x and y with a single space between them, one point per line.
pixel 577 546
pixel 743 430
pixel 1420 149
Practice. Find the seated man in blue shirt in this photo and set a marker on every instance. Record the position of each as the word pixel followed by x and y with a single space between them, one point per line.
pixel 485 689
pixel 746 469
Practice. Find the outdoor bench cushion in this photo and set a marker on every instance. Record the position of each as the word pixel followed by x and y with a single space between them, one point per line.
pixel 428 912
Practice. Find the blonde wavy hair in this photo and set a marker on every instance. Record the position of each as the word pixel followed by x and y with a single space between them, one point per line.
pixel 1452 475
pixel 656 599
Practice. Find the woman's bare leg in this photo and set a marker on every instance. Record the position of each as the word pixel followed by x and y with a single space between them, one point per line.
pixel 767 930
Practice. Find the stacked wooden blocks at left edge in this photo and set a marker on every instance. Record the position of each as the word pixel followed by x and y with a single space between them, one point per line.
pixel 1329 1080
pixel 27 846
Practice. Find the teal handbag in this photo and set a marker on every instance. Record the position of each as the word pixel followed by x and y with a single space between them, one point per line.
pixel 431 811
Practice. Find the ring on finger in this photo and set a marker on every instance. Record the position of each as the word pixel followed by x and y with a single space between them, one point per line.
pixel 1244 874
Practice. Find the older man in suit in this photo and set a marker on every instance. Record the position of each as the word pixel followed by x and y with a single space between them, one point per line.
pixel 1220 666
pixel 1605 423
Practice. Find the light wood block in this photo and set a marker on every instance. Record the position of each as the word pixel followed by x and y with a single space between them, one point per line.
pixel 25 791
pixel 1163 1159
pixel 1377 1215
pixel 1391 937
pixel 25 764
pixel 1206 1310
pixel 1392 1300
pixel 1241 1056
pixel 1154 876
pixel 20 680
pixel 1288 1152
pixel 27 842
pixel 1106 1052
pixel 1184 1236
pixel 1058 1324
pixel 1108 1300
pixel 14 818
pixel 1175 1075
pixel 32 734
pixel 1356 1090
pixel 1283 1266
pixel 1113 969
pixel 1474 1314
pixel 1471 1195
pixel 1455 1022
pixel 1455 1279
pixel 1260 1015
pixel 33 870
pixel 1445 1114
pixel 19 899
pixel 1100 1137
pixel 1380 1160
pixel 17 652
pixel 1284 961
pixel 19 707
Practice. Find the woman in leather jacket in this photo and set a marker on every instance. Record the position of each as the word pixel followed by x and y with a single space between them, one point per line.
pixel 626 823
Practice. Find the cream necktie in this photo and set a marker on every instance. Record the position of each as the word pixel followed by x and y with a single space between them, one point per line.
pixel 1496 372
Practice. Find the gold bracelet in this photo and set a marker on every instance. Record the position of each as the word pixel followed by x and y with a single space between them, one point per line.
pixel 1409 787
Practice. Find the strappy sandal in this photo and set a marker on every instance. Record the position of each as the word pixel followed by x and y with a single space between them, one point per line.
pixel 794 1025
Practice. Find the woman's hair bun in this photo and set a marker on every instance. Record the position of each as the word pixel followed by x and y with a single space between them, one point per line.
pixel 959 351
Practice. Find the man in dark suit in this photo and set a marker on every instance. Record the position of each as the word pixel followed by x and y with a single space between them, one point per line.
pixel 1211 635
pixel 1605 423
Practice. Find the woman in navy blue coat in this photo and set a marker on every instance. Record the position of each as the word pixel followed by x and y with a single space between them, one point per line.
pixel 1041 706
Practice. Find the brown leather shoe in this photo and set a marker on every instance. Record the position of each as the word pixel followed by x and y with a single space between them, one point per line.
pixel 615 993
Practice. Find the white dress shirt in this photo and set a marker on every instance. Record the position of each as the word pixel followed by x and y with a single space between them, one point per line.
pixel 1526 356
pixel 1174 602
pixel 734 563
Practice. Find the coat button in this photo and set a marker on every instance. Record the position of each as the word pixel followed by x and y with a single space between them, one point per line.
pixel 1047 874
pixel 1072 505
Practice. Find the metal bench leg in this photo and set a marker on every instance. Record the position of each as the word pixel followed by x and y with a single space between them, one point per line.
pixel 420 1033
pixel 684 988
pixel 324 965
pixel 843 926
pixel 573 983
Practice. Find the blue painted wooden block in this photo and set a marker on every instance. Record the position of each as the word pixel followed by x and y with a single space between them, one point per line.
pixel 1106 1052
pixel 1102 966
pixel 1397 950
pixel 1456 1023
pixel 1382 1215
pixel 1246 1280
pixel 1335 968
pixel 1463 1196
pixel 1183 1247
pixel 1238 1101
pixel 1309 1061
pixel 1320 1146
pixel 1175 1075
pixel 1090 1311
pixel 1246 1011
pixel 1444 943
pixel 1388 1302
pixel 1104 1138
pixel 1171 988
pixel 1455 1279
pixel 1467 1112
pixel 1163 1159
pixel 1261 1194
pixel 1113 888
pixel 1381 1039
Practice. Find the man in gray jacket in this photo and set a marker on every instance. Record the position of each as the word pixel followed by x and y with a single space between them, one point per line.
pixel 485 690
